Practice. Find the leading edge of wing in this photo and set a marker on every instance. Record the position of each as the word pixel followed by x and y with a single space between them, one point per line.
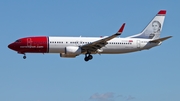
pixel 102 42
pixel 114 35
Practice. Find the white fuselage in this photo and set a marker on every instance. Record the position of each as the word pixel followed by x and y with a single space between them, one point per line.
pixel 114 46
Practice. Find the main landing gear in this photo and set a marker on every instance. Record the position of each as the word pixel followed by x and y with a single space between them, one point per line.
pixel 88 57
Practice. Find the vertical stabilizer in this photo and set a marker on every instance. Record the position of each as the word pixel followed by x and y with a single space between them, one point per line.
pixel 153 29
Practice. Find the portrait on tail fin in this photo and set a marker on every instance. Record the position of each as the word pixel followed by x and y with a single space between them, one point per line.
pixel 156 27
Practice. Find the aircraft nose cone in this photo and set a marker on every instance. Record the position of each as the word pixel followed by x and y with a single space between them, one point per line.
pixel 10 46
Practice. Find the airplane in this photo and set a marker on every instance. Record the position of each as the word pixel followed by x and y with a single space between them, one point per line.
pixel 70 47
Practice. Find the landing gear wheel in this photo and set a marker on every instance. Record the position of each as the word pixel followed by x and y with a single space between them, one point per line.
pixel 86 59
pixel 90 57
pixel 24 57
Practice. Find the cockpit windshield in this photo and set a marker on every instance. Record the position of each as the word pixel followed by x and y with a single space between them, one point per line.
pixel 18 41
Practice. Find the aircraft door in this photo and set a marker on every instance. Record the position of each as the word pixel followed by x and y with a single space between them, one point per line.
pixel 138 44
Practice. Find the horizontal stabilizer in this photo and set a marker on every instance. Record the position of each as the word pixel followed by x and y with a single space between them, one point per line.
pixel 161 39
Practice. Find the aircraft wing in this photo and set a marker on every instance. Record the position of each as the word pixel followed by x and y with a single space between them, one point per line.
pixel 92 47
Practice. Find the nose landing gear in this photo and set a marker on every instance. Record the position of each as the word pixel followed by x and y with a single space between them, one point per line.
pixel 24 57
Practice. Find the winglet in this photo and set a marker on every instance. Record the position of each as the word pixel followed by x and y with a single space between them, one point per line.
pixel 121 29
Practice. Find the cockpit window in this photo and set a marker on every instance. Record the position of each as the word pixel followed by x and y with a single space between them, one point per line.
pixel 18 41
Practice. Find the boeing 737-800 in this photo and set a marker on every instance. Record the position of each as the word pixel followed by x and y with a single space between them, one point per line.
pixel 70 47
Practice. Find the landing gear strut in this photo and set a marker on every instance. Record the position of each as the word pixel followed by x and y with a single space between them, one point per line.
pixel 88 57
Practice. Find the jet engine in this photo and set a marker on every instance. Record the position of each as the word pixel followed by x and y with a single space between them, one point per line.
pixel 71 52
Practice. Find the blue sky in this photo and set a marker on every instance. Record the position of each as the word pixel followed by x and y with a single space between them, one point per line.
pixel 151 75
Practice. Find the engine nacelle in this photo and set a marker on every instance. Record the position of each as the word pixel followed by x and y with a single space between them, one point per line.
pixel 63 55
pixel 71 52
